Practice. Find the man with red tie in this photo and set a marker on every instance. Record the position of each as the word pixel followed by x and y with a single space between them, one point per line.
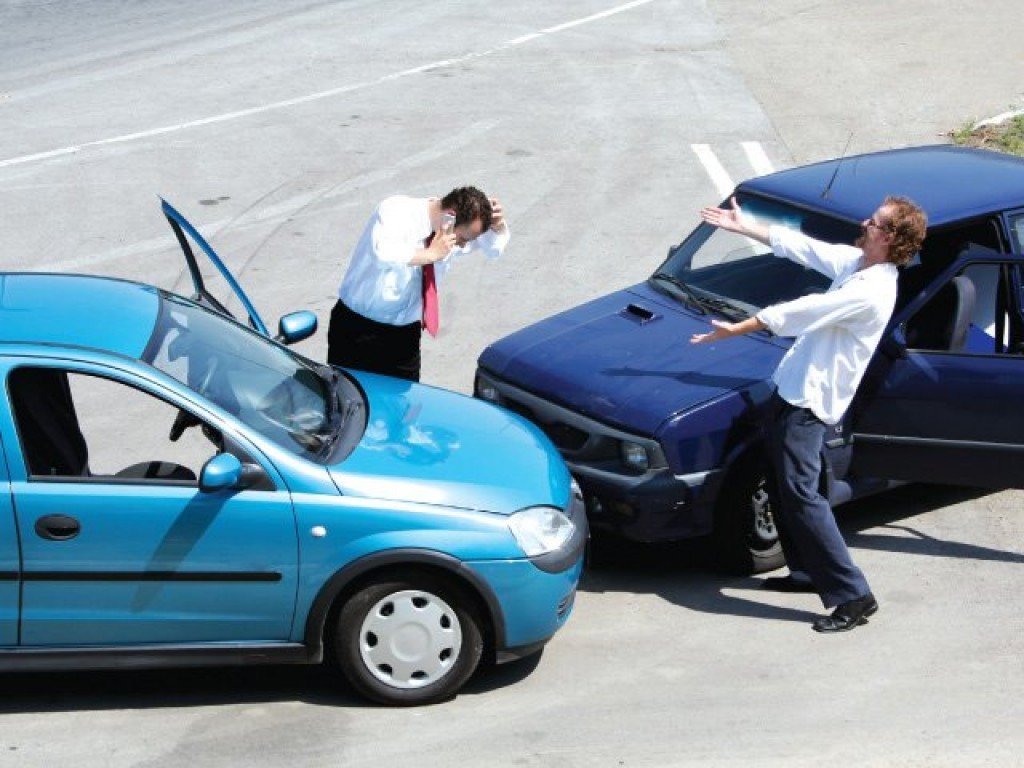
pixel 389 293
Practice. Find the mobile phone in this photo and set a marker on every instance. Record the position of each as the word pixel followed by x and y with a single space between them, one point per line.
pixel 447 221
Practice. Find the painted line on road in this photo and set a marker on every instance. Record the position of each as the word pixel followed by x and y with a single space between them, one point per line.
pixel 758 158
pixel 719 177
pixel 320 95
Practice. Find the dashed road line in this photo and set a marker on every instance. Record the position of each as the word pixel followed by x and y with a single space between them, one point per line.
pixel 320 95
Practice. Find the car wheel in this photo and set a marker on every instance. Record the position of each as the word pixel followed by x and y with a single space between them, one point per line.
pixel 745 537
pixel 408 640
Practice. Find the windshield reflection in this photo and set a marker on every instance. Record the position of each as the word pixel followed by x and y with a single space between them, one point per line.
pixel 267 387
pixel 733 275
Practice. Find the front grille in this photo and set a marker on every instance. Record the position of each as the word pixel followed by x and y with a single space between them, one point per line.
pixel 564 436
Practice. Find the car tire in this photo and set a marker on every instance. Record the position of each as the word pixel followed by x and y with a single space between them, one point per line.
pixel 409 639
pixel 745 539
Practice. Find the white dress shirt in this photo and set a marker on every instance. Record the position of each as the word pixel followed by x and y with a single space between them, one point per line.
pixel 837 331
pixel 380 283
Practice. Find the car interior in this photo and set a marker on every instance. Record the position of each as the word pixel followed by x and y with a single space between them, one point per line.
pixel 51 434
pixel 977 296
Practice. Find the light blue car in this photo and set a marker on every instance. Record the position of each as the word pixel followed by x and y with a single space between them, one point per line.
pixel 184 490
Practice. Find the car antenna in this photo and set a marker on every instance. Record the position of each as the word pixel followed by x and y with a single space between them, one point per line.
pixel 828 187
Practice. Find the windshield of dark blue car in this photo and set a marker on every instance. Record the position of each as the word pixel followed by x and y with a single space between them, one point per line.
pixel 279 394
pixel 735 276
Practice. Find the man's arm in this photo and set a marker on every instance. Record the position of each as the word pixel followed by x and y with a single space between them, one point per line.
pixel 724 330
pixel 734 221
pixel 827 258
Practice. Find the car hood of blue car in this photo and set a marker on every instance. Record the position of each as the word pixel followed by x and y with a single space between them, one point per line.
pixel 626 359
pixel 432 446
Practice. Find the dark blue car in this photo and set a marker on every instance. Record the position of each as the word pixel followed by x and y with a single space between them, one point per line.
pixel 664 436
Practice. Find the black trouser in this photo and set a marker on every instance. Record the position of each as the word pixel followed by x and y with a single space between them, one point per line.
pixel 810 538
pixel 354 341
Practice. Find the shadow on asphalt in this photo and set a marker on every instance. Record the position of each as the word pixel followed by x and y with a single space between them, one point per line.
pixel 146 689
pixel 680 573
pixel 684 572
pixel 213 686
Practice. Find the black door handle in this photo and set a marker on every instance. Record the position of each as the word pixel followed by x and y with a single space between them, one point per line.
pixel 58 527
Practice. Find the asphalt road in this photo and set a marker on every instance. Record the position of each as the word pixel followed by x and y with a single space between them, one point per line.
pixel 276 126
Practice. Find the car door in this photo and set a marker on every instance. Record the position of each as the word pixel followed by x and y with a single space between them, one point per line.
pixel 119 544
pixel 10 562
pixel 950 415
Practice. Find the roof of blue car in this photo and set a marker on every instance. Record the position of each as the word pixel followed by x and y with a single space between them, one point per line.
pixel 950 183
pixel 77 310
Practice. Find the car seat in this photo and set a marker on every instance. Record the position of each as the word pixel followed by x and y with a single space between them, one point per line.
pixel 51 439
pixel 942 323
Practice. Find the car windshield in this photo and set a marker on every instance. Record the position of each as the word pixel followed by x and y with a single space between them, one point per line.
pixel 737 276
pixel 274 391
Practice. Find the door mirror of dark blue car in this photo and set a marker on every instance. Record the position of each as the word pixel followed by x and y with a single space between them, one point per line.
pixel 296 326
pixel 220 472
pixel 894 343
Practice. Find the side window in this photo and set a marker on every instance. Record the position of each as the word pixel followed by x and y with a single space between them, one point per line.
pixel 77 425
pixel 1017 231
pixel 968 314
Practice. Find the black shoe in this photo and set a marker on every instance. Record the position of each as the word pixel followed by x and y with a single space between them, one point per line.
pixel 848 615
pixel 787 584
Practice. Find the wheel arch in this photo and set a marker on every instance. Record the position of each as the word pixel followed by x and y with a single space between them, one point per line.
pixel 347 579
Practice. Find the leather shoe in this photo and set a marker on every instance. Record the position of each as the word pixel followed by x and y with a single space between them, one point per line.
pixel 787 584
pixel 848 615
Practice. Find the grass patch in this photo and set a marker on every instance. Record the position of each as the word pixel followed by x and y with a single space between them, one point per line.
pixel 1005 137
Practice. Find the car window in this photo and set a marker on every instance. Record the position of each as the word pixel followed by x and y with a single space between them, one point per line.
pixel 75 425
pixel 1017 231
pixel 969 313
pixel 745 272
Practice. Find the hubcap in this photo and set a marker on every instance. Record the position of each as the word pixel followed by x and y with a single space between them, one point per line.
pixel 410 639
pixel 761 506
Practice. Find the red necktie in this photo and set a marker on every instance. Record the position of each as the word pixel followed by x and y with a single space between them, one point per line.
pixel 431 311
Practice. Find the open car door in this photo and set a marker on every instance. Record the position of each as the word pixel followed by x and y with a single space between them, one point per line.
pixel 187 235
pixel 293 327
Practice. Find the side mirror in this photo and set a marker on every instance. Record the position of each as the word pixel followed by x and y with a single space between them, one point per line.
pixel 894 344
pixel 296 326
pixel 222 471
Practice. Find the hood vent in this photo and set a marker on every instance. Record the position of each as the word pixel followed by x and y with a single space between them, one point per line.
pixel 639 315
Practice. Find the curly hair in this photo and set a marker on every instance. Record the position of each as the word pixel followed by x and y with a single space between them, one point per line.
pixel 906 226
pixel 469 203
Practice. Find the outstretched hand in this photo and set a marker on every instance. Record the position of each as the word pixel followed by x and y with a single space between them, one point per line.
pixel 723 330
pixel 730 219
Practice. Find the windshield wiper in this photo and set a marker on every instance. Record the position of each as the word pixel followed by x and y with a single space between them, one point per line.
pixel 724 307
pixel 339 411
pixel 688 293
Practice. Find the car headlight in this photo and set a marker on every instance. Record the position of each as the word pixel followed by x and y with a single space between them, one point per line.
pixel 634 455
pixel 539 530
pixel 485 390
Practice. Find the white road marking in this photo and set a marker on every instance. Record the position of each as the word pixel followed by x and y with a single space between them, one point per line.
pixel 719 177
pixel 758 159
pixel 242 113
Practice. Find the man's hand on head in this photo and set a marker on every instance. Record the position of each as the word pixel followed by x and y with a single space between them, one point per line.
pixel 497 215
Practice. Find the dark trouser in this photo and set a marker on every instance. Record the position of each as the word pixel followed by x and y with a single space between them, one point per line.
pixel 354 341
pixel 810 538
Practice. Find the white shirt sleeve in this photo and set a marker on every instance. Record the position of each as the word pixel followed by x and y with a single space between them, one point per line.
pixel 830 259
pixel 848 305
pixel 492 244
pixel 393 240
